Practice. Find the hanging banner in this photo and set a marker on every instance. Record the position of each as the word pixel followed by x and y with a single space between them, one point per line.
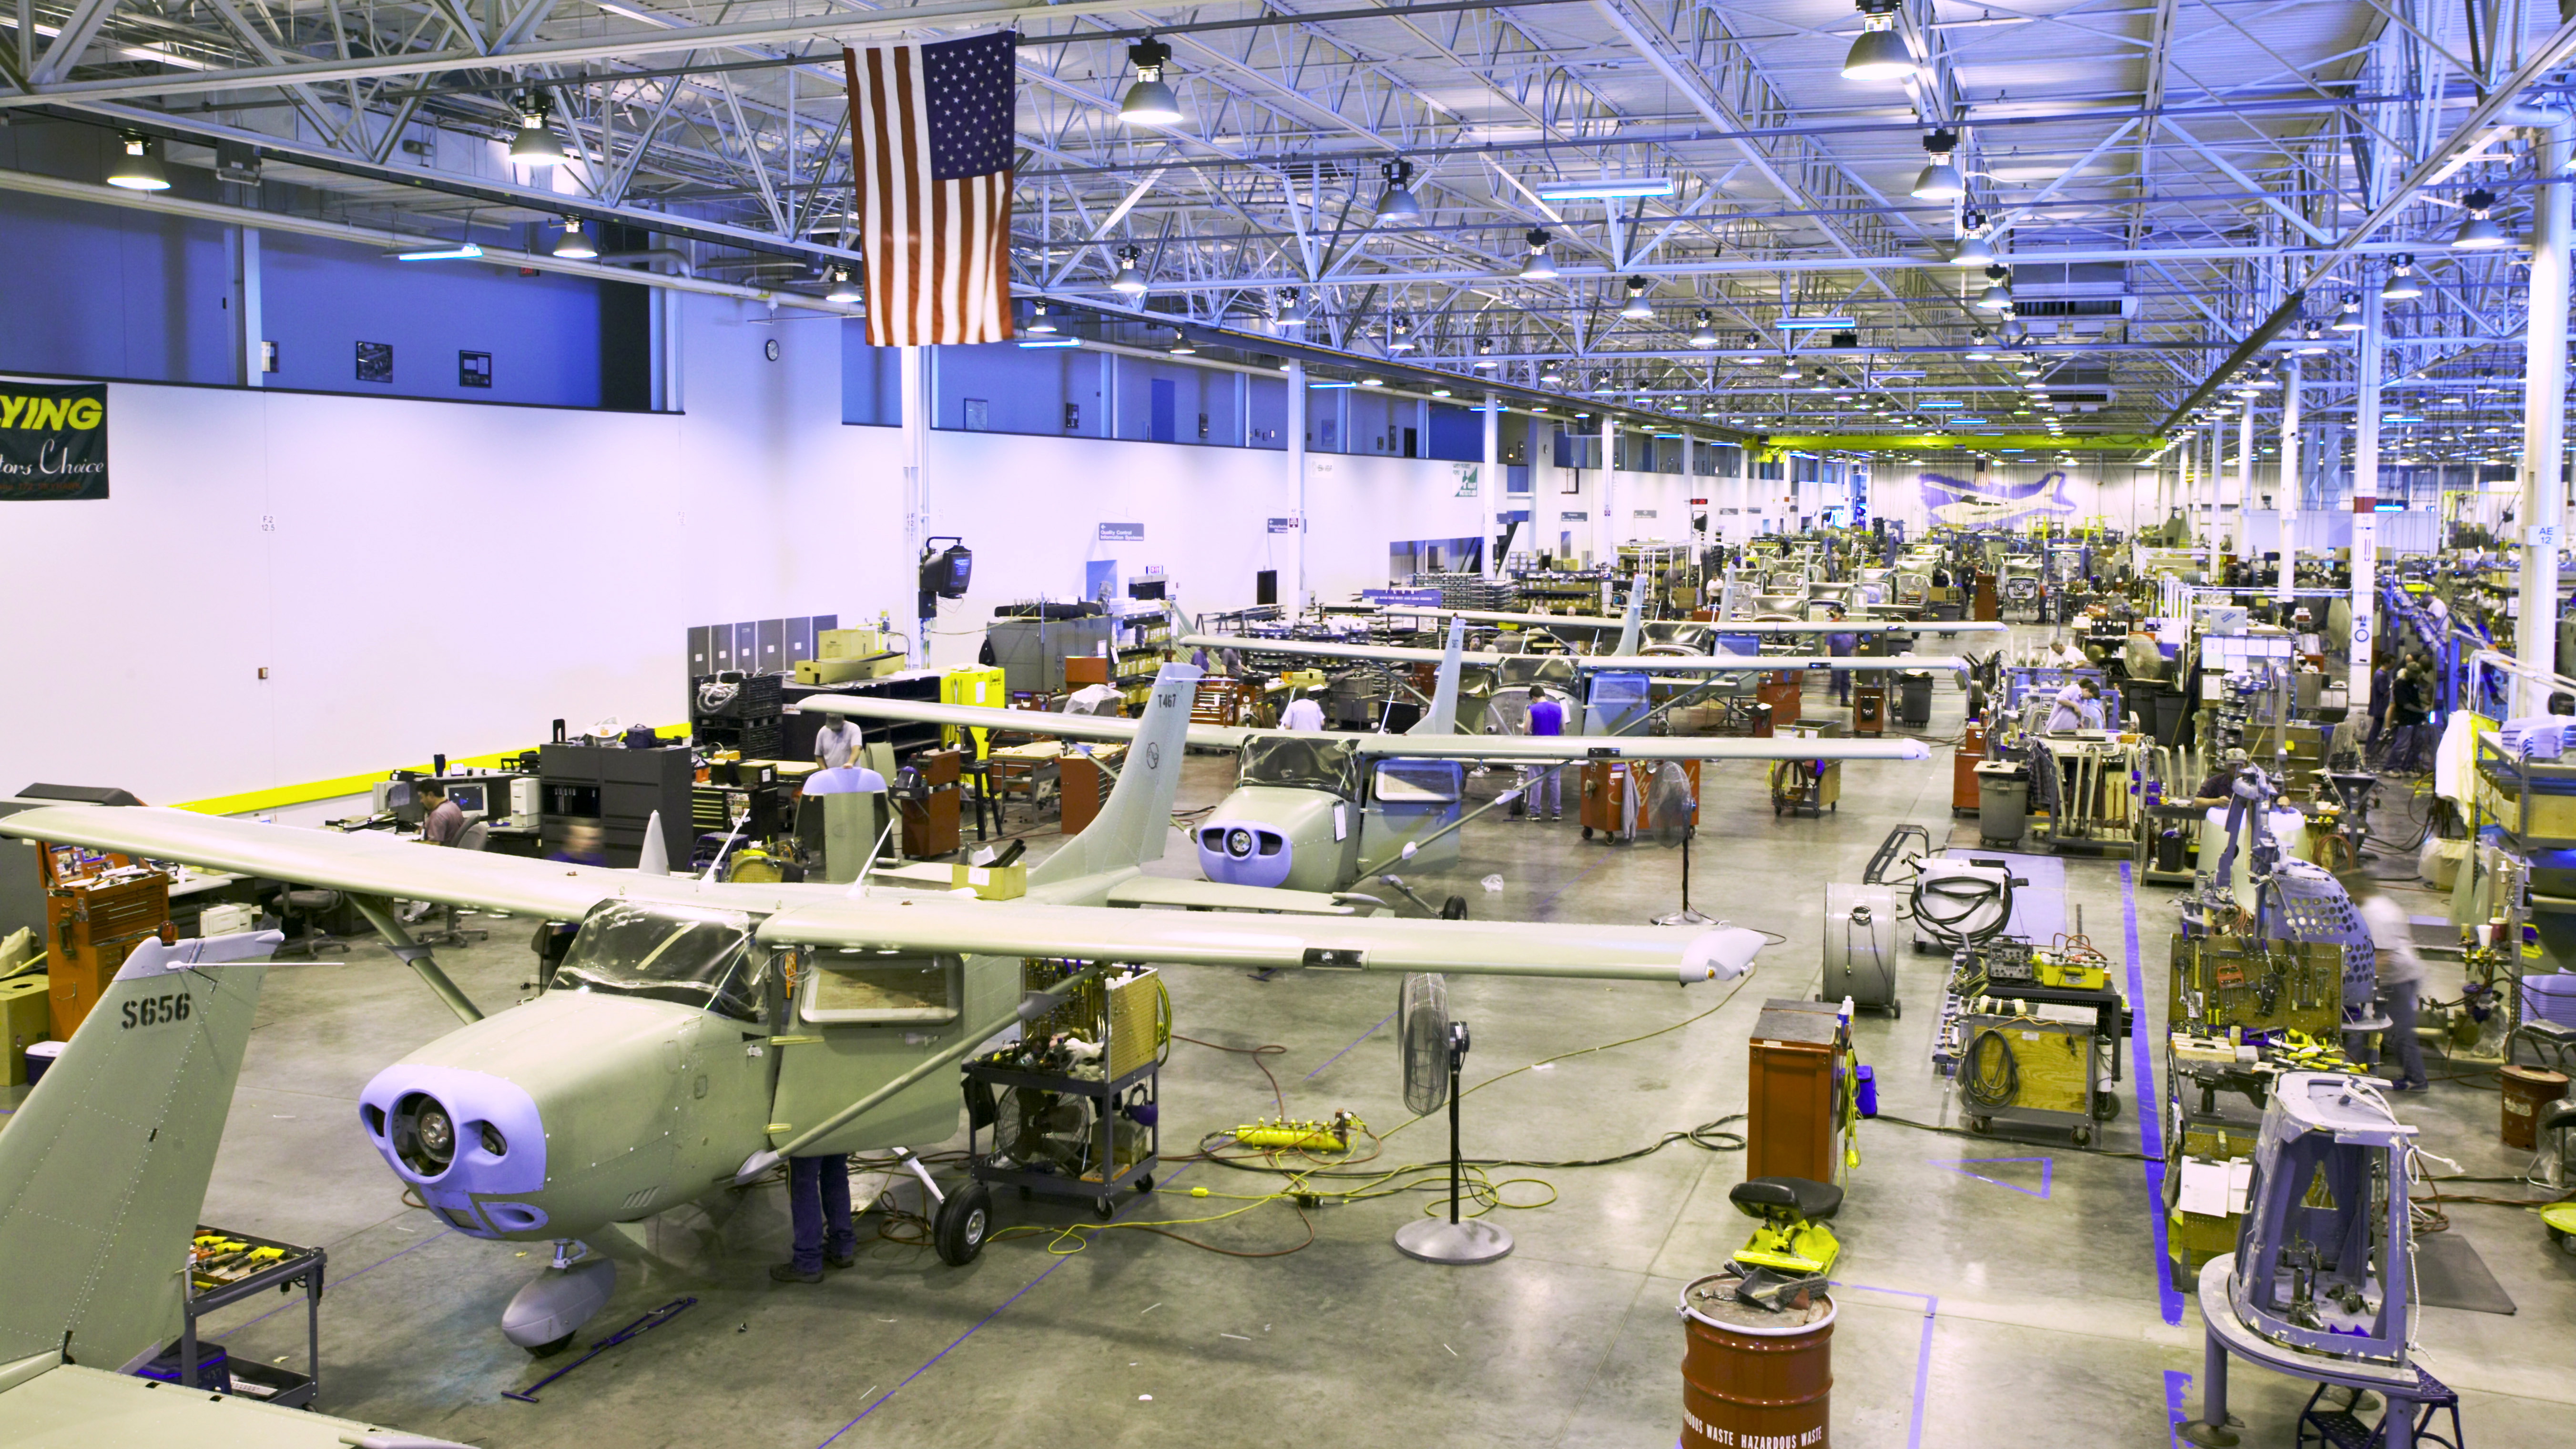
pixel 53 442
pixel 1980 500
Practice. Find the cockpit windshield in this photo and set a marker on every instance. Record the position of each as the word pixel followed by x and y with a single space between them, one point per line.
pixel 1307 764
pixel 703 959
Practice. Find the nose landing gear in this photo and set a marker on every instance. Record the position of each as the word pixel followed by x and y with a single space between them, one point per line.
pixel 544 1316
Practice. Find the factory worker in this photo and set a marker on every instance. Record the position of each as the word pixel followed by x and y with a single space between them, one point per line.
pixel 2221 784
pixel 1302 713
pixel 837 743
pixel 2401 975
pixel 818 1205
pixel 1544 784
pixel 844 780
pixel 2065 653
pixel 2075 704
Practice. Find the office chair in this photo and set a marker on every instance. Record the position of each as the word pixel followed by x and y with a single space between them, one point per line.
pixel 296 903
pixel 474 837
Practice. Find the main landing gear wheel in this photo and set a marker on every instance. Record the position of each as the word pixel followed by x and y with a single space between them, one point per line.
pixel 1454 909
pixel 964 1219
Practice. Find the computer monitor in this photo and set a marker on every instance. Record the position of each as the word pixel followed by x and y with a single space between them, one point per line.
pixel 394 795
pixel 467 797
pixel 1145 588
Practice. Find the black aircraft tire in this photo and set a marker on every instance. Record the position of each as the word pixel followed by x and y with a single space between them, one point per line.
pixel 1454 909
pixel 964 1221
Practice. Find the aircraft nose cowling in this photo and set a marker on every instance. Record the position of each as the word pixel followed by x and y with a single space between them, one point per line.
pixel 457 1136
pixel 1244 852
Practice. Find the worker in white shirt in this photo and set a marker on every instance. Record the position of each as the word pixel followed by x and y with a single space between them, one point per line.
pixel 2065 653
pixel 837 743
pixel 1302 713
pixel 2075 704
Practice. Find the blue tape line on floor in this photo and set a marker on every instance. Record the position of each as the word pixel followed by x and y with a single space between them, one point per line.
pixel 346 1280
pixel 1355 1041
pixel 2175 1382
pixel 2151 1122
pixel 1922 1353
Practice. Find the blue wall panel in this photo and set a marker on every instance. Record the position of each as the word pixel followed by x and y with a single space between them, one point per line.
pixel 100 291
pixel 871 379
pixel 322 298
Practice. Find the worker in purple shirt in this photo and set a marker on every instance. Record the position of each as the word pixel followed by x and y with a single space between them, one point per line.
pixel 1547 787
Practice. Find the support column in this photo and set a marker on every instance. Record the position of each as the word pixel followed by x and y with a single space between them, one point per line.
pixel 916 435
pixel 250 353
pixel 2365 499
pixel 1489 508
pixel 1605 534
pixel 2244 477
pixel 1295 592
pixel 2209 528
pixel 2544 416
pixel 2286 492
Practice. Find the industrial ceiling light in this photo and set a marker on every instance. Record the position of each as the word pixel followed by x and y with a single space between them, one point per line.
pixel 1547 373
pixel 2479 233
pixel 1788 369
pixel 1129 280
pixel 2027 367
pixel 574 246
pixel 139 169
pixel 1973 249
pixel 1978 351
pixel 1182 346
pixel 1292 312
pixel 2348 316
pixel 1878 53
pixel 1939 180
pixel 1397 202
pixel 1484 355
pixel 1372 382
pixel 1149 102
pixel 1040 324
pixel 1601 384
pixel 535 145
pixel 2402 286
pixel 1540 267
pixel 1997 297
pixel 1703 335
pixel 1637 310
pixel 2312 342
pixel 845 288
pixel 1400 339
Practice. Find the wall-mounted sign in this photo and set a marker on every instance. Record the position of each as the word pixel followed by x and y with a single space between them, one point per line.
pixel 53 442
pixel 1575 515
pixel 1699 503
pixel 376 362
pixel 1643 513
pixel 1467 479
pixel 1402 598
pixel 1122 533
pixel 1284 525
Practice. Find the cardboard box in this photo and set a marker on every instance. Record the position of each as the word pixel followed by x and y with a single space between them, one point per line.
pixel 831 671
pixel 25 1017
pixel 847 644
pixel 991 882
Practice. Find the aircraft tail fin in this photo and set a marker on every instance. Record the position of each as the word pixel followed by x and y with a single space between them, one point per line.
pixel 1442 717
pixel 103 1169
pixel 1137 816
pixel 1632 624
pixel 655 858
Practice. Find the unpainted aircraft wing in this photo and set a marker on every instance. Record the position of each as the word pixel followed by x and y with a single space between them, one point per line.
pixel 1539 749
pixel 1636 663
pixel 1720 626
pixel 1098 728
pixel 938 924
pixel 1208 895
pixel 48 1404
pixel 366 862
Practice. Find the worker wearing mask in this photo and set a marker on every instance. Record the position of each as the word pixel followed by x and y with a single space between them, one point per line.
pixel 1544 785
pixel 1302 713
pixel 837 743
pixel 2401 976
pixel 2075 704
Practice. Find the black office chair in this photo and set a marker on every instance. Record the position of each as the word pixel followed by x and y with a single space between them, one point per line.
pixel 296 903
pixel 474 837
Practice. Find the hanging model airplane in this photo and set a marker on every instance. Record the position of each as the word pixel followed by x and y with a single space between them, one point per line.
pixel 1656 639
pixel 1316 813
pixel 699 1031
pixel 103 1173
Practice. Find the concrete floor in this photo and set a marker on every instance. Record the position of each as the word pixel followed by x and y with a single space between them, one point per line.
pixel 2002 1309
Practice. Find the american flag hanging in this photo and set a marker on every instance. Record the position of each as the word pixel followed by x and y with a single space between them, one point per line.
pixel 931 141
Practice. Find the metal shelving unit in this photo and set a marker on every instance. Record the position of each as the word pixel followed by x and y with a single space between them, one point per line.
pixel 221 1280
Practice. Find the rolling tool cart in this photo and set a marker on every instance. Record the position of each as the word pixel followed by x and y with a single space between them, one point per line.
pixel 1073 1109
pixel 225 1268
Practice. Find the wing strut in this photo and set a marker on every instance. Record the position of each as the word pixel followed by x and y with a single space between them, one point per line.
pixel 380 914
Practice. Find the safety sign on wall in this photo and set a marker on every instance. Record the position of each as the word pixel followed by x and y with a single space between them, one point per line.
pixel 53 442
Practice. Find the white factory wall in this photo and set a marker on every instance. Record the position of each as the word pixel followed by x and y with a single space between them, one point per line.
pixel 421 576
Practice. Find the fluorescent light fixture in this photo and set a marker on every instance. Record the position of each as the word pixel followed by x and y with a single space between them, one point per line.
pixel 1939 403
pixel 1328 386
pixel 1440 392
pixel 1149 102
pixel 461 252
pixel 1816 324
pixel 1897 374
pixel 1964 418
pixel 139 169
pixel 2404 418
pixel 1606 188
pixel 1372 382
pixel 1050 342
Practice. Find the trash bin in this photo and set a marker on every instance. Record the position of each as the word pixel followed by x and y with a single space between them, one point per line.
pixel 2003 803
pixel 2168 707
pixel 1914 698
